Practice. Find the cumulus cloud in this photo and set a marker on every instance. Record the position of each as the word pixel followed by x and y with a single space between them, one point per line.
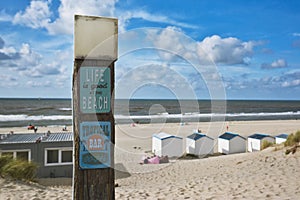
pixel 39 15
pixel 8 81
pixel 280 63
pixel 266 83
pixel 153 74
pixel 27 58
pixel 36 15
pixel 38 84
pixel 5 78
pixel 28 62
pixel 225 50
pixel 7 53
pixel 213 49
pixel 64 23
pixel 171 43
pixel 291 79
pixel 292 83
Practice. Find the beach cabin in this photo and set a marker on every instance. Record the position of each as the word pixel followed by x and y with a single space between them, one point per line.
pixel 281 138
pixel 256 140
pixel 164 144
pixel 229 143
pixel 53 152
pixel 199 144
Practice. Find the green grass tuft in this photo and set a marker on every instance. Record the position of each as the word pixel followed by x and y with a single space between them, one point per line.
pixel 266 144
pixel 17 169
pixel 293 139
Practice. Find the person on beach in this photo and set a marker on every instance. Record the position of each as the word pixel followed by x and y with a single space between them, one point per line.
pixel 65 128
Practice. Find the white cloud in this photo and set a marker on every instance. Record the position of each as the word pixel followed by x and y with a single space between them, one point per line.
pixel 172 44
pixel 39 15
pixel 4 17
pixel 50 67
pixel 125 17
pixel 6 78
pixel 28 63
pixel 64 23
pixel 39 83
pixel 225 50
pixel 214 49
pixel 28 58
pixel 280 63
pixel 152 74
pixel 8 50
pixel 292 83
pixel 36 15
pixel 296 34
pixel 291 79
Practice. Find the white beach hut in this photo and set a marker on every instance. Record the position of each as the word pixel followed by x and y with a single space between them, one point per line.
pixel 164 144
pixel 281 138
pixel 199 144
pixel 255 141
pixel 229 143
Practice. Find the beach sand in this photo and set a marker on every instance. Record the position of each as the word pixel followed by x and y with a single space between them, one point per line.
pixel 268 174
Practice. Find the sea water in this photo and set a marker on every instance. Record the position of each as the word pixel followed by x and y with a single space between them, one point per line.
pixel 48 112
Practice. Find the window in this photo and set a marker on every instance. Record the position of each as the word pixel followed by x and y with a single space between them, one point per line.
pixel 63 156
pixel 52 156
pixel 22 155
pixel 18 154
pixel 66 156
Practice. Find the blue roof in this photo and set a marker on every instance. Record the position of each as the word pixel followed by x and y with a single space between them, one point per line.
pixel 33 137
pixel 228 135
pixel 283 135
pixel 258 136
pixel 197 136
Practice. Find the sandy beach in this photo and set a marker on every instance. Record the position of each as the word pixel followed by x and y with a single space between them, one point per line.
pixel 268 174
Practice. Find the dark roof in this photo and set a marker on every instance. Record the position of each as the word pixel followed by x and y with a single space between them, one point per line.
pixel 197 136
pixel 229 136
pixel 258 136
pixel 283 135
pixel 33 137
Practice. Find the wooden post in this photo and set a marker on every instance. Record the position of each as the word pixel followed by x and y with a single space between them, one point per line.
pixel 93 101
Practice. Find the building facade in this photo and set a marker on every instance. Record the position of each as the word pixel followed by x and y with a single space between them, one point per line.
pixel 53 152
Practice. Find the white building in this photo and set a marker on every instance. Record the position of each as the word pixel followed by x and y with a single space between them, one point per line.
pixel 281 138
pixel 256 140
pixel 199 144
pixel 164 144
pixel 229 143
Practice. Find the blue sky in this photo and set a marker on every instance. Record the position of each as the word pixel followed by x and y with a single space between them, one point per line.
pixel 167 49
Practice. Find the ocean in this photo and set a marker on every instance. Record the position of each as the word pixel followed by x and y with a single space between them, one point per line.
pixel 52 112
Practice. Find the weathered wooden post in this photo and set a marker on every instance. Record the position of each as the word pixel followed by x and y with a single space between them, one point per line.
pixel 95 51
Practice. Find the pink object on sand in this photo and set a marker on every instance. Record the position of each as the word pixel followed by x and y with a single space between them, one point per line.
pixel 154 160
